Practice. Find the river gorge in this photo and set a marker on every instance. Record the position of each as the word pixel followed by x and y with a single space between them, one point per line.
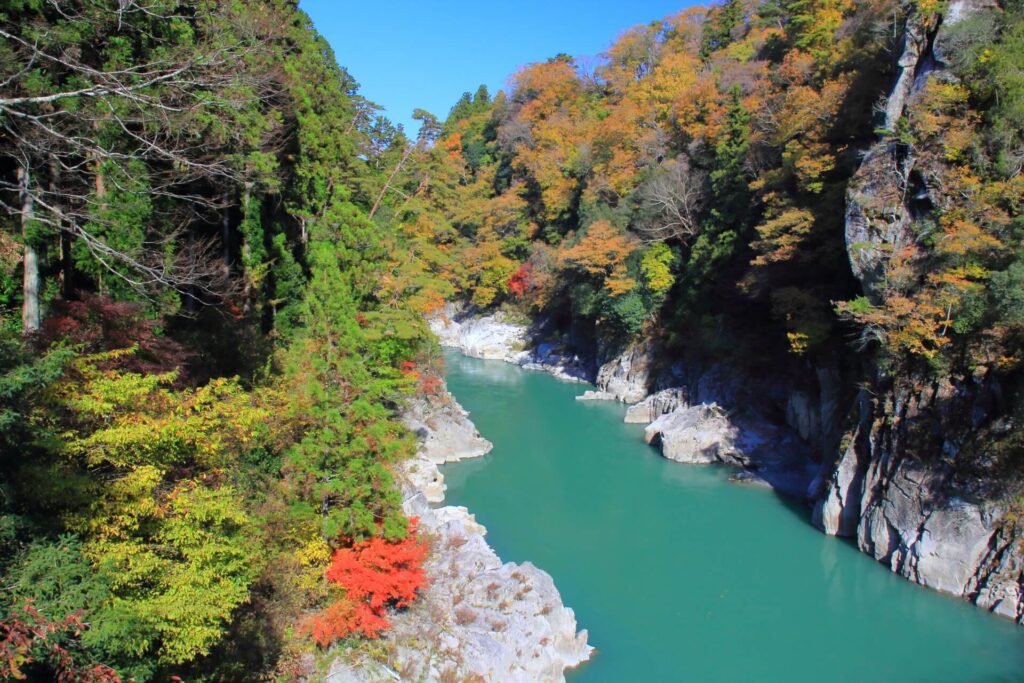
pixel 679 573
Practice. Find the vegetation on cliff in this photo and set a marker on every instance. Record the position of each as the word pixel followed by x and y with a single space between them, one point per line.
pixel 693 186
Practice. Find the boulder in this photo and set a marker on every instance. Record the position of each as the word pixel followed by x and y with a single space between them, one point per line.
pixel 699 434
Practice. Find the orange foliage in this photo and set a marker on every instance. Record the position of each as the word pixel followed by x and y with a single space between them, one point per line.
pixel 601 250
pixel 376 574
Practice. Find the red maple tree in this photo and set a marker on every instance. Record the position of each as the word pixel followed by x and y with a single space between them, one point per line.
pixel 521 280
pixel 376 574
pixel 30 638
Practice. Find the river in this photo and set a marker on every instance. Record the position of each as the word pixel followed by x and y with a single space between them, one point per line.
pixel 680 575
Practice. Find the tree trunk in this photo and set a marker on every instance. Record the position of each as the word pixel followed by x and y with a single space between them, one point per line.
pixel 225 231
pixel 387 183
pixel 30 311
pixel 246 253
pixel 66 275
pixel 101 199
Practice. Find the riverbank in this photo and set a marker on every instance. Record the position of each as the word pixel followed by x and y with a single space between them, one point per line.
pixel 681 575
pixel 479 618
pixel 780 434
pixel 695 420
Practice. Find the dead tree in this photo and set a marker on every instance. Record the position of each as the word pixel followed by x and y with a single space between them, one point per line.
pixel 671 202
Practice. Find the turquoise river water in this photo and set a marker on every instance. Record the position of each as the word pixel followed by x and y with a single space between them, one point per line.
pixel 680 575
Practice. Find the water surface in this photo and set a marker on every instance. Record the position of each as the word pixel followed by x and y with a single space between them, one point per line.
pixel 680 575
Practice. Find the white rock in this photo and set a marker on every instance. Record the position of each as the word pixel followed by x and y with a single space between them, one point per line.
pixel 480 617
pixel 656 405
pixel 591 395
pixel 477 618
pixel 626 377
pixel 489 337
pixel 445 431
pixel 699 434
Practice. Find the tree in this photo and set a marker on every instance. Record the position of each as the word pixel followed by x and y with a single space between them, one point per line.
pixel 375 575
pixel 95 132
pixel 671 203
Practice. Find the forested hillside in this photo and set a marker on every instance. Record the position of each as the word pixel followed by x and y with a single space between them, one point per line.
pixel 216 259
pixel 702 185
pixel 200 360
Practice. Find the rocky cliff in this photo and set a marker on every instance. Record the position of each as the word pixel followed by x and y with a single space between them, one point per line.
pixel 909 480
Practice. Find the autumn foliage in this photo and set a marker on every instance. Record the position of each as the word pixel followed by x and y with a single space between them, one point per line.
pixel 99 324
pixel 521 281
pixel 29 639
pixel 376 575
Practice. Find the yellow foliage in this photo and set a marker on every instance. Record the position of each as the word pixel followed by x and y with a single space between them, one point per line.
pixel 782 235
pixel 126 420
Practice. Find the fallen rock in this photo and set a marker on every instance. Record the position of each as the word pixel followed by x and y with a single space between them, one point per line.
pixel 699 434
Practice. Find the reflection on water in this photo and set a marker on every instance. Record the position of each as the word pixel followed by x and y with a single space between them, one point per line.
pixel 680 575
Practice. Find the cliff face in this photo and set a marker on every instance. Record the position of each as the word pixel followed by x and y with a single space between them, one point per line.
pixel 909 482
pixel 898 465
pixel 900 488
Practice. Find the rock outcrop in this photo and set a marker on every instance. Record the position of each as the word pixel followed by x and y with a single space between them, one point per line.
pixel 627 377
pixel 494 337
pixel 656 405
pixel 478 618
pixel 700 434
pixel 481 619
pixel 488 337
pixel 917 517
pixel 443 427
pixel 705 433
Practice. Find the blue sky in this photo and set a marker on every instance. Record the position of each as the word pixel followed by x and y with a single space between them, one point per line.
pixel 426 54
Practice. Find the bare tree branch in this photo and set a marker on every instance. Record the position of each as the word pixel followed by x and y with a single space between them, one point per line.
pixel 671 202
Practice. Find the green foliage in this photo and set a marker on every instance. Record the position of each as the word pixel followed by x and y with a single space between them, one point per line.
pixel 1007 289
pixel 58 578
pixel 627 314
pixel 124 210
pixel 718 31
pixel 24 376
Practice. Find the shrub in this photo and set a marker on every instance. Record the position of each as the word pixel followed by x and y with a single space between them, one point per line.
pixel 376 574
